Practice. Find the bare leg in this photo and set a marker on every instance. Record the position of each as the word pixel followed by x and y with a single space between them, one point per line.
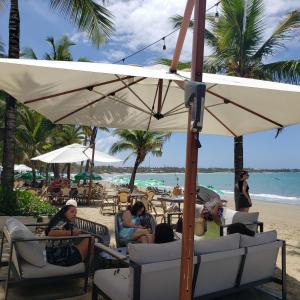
pixel 83 247
pixel 143 239
pixel 150 238
pixel 139 233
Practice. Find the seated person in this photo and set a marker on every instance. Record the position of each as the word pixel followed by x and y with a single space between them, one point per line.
pixel 65 252
pixel 163 234
pixel 131 228
pixel 239 228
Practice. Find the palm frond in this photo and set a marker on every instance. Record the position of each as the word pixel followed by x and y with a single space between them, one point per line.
pixel 120 146
pixel 177 20
pixel 284 71
pixel 88 16
pixel 284 32
pixel 28 53
pixel 181 65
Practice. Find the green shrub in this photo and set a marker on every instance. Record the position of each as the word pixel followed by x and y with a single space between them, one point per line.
pixel 26 204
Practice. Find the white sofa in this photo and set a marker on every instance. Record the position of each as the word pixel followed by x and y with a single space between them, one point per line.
pixel 221 266
pixel 27 258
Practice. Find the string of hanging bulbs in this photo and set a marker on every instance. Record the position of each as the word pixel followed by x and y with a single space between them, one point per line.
pixel 163 39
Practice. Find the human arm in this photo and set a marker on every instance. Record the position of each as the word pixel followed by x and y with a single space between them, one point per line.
pixel 127 220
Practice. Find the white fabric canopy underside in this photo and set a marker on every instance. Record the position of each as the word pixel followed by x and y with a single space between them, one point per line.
pixel 75 153
pixel 256 105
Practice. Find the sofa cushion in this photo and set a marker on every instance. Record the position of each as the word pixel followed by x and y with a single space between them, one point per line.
pixel 150 253
pixel 49 270
pixel 258 239
pixel 220 244
pixel 32 252
pixel 246 218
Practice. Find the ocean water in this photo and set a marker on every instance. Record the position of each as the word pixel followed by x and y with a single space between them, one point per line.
pixel 280 187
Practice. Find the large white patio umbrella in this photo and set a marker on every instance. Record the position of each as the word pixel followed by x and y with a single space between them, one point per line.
pixel 120 96
pixel 75 153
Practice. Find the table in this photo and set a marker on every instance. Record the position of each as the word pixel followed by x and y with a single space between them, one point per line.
pixel 177 199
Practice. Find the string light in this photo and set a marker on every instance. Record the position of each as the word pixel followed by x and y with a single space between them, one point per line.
pixel 164 37
pixel 164 46
pixel 217 13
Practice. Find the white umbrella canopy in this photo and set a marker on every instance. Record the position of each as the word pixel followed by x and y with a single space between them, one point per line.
pixel 22 168
pixel 121 96
pixel 75 153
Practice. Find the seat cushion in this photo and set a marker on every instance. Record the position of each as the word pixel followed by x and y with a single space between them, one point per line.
pixel 258 239
pixel 30 271
pixel 150 253
pixel 32 252
pixel 246 218
pixel 114 285
pixel 220 244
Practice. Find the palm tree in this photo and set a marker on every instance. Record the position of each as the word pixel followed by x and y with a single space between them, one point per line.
pixel 64 135
pixel 140 143
pixel 239 49
pixel 87 15
pixel 32 135
pixel 60 50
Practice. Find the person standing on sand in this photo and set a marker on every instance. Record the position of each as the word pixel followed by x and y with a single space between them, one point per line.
pixel 244 202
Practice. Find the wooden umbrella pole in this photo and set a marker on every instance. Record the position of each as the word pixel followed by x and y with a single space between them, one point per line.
pixel 91 173
pixel 187 254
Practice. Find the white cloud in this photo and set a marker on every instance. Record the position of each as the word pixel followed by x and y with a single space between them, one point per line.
pixel 113 55
pixel 141 22
pixel 78 37
pixel 105 141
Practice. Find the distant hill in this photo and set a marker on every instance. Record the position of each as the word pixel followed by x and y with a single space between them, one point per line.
pixel 112 169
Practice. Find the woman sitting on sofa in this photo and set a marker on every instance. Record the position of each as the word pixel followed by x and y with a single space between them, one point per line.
pixel 130 225
pixel 65 252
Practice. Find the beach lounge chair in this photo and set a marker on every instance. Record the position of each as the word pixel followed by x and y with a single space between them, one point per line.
pixel 222 266
pixel 147 220
pixel 27 263
pixel 250 219
pixel 122 200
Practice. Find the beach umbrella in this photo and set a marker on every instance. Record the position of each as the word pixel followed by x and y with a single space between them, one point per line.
pixel 205 194
pixel 75 153
pixel 29 176
pixel 86 176
pixel 22 168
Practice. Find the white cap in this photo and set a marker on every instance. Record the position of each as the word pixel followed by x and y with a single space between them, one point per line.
pixel 71 202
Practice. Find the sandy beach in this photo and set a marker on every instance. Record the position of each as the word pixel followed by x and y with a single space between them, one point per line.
pixel 283 218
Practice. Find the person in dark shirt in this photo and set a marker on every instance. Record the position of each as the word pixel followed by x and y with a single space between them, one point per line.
pixel 244 201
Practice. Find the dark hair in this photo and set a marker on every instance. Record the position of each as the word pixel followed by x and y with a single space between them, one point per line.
pixel 239 228
pixel 244 172
pixel 163 234
pixel 136 207
pixel 60 215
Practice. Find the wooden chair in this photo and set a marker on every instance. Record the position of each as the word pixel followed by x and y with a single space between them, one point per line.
pixel 159 209
pixel 81 195
pixel 123 198
pixel 108 203
pixel 65 194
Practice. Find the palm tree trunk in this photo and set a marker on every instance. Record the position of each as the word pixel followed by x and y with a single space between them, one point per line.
pixel 69 171
pixel 84 143
pixel 33 174
pixel 238 164
pixel 132 179
pixel 9 142
pixel 92 141
pixel 56 170
pixel 47 174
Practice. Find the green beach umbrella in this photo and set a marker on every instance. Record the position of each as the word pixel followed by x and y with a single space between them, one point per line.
pixel 212 188
pixel 86 176
pixel 29 176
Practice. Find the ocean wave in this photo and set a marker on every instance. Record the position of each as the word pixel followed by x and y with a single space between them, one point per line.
pixel 271 198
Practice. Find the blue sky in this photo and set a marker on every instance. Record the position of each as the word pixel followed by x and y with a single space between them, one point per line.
pixel 138 23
